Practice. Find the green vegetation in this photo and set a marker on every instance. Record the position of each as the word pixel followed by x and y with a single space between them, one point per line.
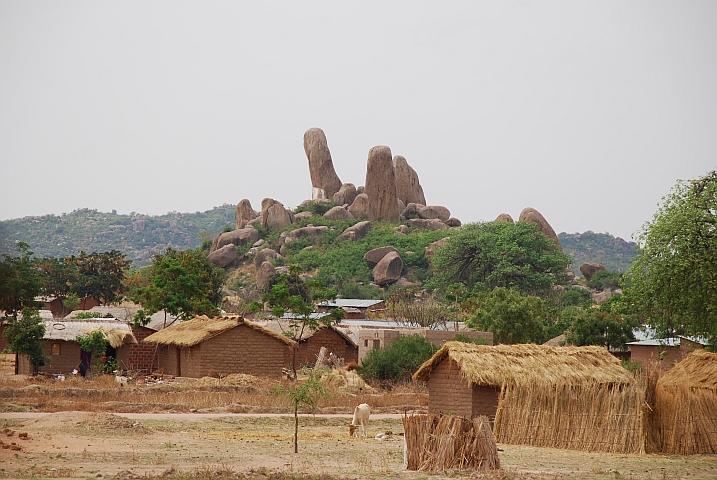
pixel 24 336
pixel 512 316
pixel 93 342
pixel 398 360
pixel 604 280
pixel 613 253
pixel 673 282
pixel 183 283
pixel 20 282
pixel 137 236
pixel 598 327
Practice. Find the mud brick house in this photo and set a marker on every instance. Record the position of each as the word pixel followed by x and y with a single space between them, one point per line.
pixel 54 304
pixel 666 352
pixel 562 397
pixel 310 342
pixel 222 345
pixel 354 308
pixel 60 344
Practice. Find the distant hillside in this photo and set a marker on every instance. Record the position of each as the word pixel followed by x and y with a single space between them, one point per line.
pixel 137 236
pixel 612 252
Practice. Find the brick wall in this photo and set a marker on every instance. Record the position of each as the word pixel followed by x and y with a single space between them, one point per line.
pixel 369 336
pixel 485 402
pixel 646 353
pixel 167 359
pixel 65 362
pixel 450 393
pixel 325 337
pixel 142 356
pixel 3 342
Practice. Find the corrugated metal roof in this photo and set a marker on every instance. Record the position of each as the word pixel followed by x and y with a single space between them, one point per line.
pixel 351 302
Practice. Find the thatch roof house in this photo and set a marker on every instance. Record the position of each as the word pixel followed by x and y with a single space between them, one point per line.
pixel 335 339
pixel 228 344
pixel 564 397
pixel 684 421
pixel 60 343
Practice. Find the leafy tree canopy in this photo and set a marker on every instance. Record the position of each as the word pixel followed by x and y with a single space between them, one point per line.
pixel 673 282
pixel 183 283
pixel 512 316
pixel 20 281
pixel 24 336
pixel 398 360
pixel 600 327
pixel 483 256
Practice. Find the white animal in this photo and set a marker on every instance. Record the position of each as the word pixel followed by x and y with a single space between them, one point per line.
pixel 361 414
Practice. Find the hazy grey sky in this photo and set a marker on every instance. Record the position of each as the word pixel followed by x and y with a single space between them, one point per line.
pixel 586 111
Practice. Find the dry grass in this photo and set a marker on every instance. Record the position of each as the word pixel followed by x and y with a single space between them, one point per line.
pixel 234 394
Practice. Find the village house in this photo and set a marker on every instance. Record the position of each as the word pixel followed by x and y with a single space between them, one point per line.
pixel 54 304
pixel 224 345
pixel 60 344
pixel 666 352
pixel 562 397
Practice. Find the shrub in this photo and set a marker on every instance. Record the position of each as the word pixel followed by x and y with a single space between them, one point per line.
pixel 317 208
pixel 605 279
pixel 86 315
pixel 398 360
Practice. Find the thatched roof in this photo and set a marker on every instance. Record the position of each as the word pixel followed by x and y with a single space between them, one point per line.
pixel 116 333
pixel 529 365
pixel 698 370
pixel 199 329
pixel 278 327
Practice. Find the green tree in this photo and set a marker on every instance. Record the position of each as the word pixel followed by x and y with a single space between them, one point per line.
pixel 673 281
pixel 483 256
pixel 24 337
pixel 101 275
pixel 605 279
pixel 94 343
pixel 598 327
pixel 512 316
pixel 182 283
pixel 304 394
pixel 398 360
pixel 20 281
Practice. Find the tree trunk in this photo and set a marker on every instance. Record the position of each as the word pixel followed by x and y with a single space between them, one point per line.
pixel 296 427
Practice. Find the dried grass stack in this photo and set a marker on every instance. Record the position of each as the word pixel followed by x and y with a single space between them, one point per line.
pixel 436 443
pixel 684 418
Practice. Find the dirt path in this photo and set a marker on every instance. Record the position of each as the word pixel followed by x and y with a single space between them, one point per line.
pixel 84 445
pixel 196 417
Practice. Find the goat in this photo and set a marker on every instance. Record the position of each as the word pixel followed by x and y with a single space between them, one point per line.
pixel 361 414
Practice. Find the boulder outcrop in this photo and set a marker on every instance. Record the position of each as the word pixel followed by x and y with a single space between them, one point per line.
pixel 359 207
pixel 275 216
pixel 408 188
pixel 381 185
pixel 428 224
pixel 373 257
pixel 309 231
pixel 243 236
pixel 432 247
pixel 264 274
pixel 224 256
pixel 503 217
pixel 302 215
pixel 532 215
pixel 589 269
pixel 264 255
pixel 411 210
pixel 453 222
pixel 434 211
pixel 338 213
pixel 356 232
pixel 346 194
pixel 321 167
pixel 388 270
pixel 243 213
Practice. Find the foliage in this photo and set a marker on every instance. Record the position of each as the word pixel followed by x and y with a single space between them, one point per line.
pixel 93 342
pixel 397 361
pixel 466 339
pixel 86 315
pixel 300 395
pixel 71 302
pixel 412 313
pixel 366 292
pixel 137 236
pixel 20 282
pixel 24 336
pixel 318 208
pixel 512 316
pixel 483 256
pixel 673 282
pixel 613 252
pixel 605 280
pixel 182 283
pixel 597 327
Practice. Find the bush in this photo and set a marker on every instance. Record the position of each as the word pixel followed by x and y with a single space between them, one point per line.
pixel 317 208
pixel 604 280
pixel 399 360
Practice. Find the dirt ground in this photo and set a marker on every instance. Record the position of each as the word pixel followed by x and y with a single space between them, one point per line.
pixel 125 446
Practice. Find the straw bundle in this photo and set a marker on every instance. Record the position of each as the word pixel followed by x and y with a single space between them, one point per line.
pixel 684 420
pixel 446 442
pixel 595 418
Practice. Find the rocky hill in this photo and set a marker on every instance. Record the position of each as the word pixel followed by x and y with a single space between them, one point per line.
pixel 613 253
pixel 136 235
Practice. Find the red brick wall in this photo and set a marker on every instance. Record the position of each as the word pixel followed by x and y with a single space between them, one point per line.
pixel 3 342
pixel 448 392
pixel 485 401
pixel 646 353
pixel 239 350
pixel 325 337
pixel 65 362
pixel 142 356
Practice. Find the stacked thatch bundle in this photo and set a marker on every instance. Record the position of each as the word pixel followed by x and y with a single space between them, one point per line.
pixel 446 442
pixel 116 333
pixel 577 398
pixel 684 419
